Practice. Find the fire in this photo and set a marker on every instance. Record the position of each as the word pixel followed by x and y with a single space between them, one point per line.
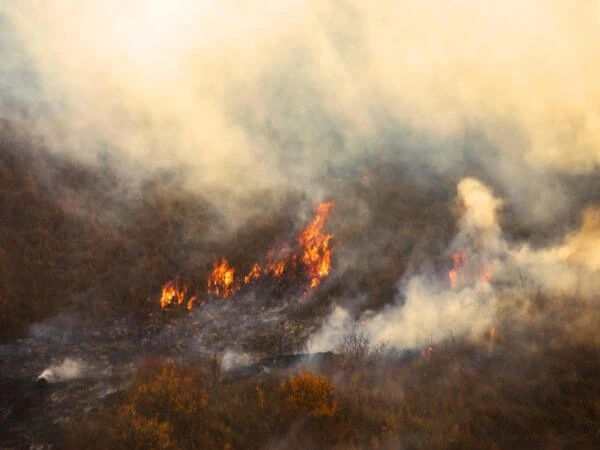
pixel 254 274
pixel 277 268
pixel 221 281
pixel 172 292
pixel 464 272
pixel 316 253
pixel 313 254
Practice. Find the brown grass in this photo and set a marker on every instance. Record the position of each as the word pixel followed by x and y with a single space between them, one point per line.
pixel 460 395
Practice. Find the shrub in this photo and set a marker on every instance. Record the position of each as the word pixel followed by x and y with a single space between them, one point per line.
pixel 310 394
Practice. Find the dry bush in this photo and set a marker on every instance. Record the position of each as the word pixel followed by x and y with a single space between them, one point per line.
pixel 310 394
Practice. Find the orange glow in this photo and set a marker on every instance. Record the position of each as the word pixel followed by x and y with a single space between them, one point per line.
pixel 486 275
pixel 464 273
pixel 254 274
pixel 190 303
pixel 222 280
pixel 453 277
pixel 277 268
pixel 316 253
pixel 174 293
pixel 458 261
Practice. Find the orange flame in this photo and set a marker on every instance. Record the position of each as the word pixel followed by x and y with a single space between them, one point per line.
pixel 277 268
pixel 172 293
pixel 254 274
pixel 316 253
pixel 222 280
pixel 465 273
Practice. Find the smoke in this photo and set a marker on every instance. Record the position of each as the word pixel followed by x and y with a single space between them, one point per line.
pixel 427 309
pixel 570 267
pixel 271 108
pixel 333 330
pixel 272 97
pixel 233 359
pixel 67 370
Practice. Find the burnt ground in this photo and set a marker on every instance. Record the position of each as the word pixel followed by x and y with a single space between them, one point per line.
pixel 34 411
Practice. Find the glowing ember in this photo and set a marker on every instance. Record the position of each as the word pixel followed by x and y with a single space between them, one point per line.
pixel 277 268
pixel 316 253
pixel 426 353
pixel 221 281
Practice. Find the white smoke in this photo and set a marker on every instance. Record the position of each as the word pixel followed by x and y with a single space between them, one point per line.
pixel 268 96
pixel 67 370
pixel 233 359
pixel 335 327
pixel 432 311
pixel 570 268
pixel 478 224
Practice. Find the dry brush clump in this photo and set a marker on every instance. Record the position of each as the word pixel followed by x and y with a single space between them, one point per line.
pixel 309 393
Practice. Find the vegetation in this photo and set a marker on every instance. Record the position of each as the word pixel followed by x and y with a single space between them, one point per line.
pixel 497 394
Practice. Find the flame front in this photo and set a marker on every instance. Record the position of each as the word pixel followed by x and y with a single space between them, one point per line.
pixel 464 272
pixel 254 274
pixel 316 253
pixel 277 268
pixel 222 280
pixel 313 254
